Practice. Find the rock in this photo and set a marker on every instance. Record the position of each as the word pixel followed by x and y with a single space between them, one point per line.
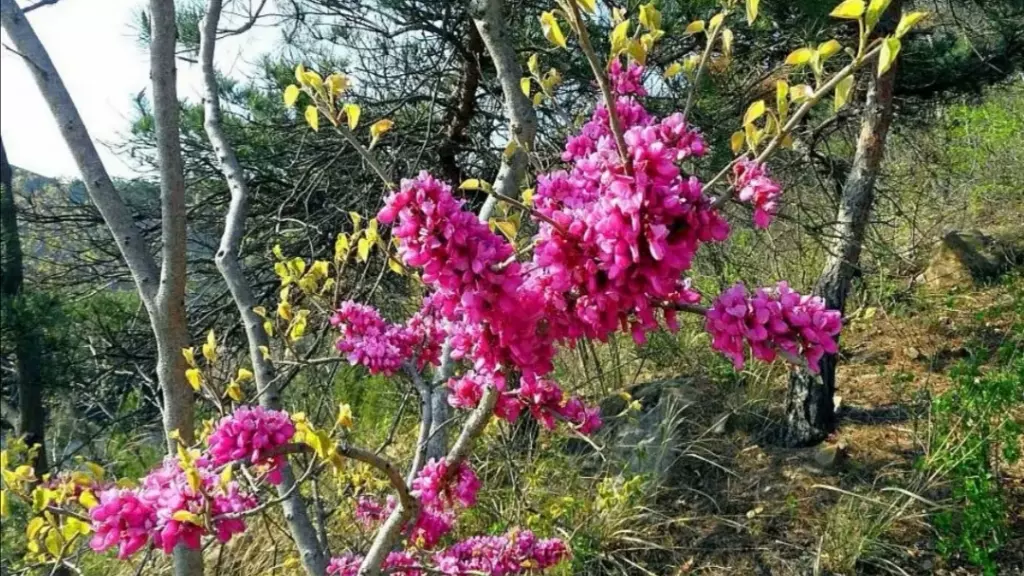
pixel 830 457
pixel 912 353
pixel 650 439
pixel 967 256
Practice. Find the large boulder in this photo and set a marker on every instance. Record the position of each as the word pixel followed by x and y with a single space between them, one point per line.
pixel 967 256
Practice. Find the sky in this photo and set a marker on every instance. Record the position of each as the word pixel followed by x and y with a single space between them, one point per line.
pixel 95 47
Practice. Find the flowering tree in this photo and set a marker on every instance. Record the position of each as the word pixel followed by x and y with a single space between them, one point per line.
pixel 617 228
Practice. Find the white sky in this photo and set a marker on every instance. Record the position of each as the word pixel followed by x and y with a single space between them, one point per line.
pixel 93 44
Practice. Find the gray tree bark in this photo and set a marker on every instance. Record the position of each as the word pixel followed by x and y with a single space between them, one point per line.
pixel 810 410
pixel 162 289
pixel 31 423
pixel 295 511
pixel 489 20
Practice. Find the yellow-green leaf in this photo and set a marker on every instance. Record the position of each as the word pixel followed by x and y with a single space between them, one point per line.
pixel 552 31
pixel 849 10
pixel 528 196
pixel 379 128
pixel 186 516
pixel 620 38
pixel 396 266
pixel 357 221
pixel 268 327
pixel 35 526
pixel 908 21
pixel 828 49
pixel 352 112
pixel 4 510
pixel 52 543
pixel 291 94
pixel 234 391
pixel 716 20
pixel 363 249
pixel 650 18
pixel 300 74
pixel 782 99
pixel 752 11
pixel 736 141
pixel 312 117
pixel 190 356
pixel 244 375
pixel 800 92
pixel 226 474
pixel 265 351
pixel 673 70
pixel 475 184
pixel 278 253
pixel 695 27
pixel 337 84
pixel 507 228
pixel 345 419
pixel 754 112
pixel 524 85
pixel 799 57
pixel 843 90
pixel 313 80
pixel 886 58
pixel 88 500
pixel 727 38
pixel 299 326
pixel 588 5
pixel 510 149
pixel 284 310
pixel 533 64
pixel 73 527
pixel 373 230
pixel 194 378
pixel 874 12
pixel 210 346
pixel 260 311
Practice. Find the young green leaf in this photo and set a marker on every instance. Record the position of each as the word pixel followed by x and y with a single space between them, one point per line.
pixel 886 58
pixel 849 10
pixel 620 37
pixel 727 38
pixel 754 112
pixel 533 64
pixel 650 18
pixel 799 57
pixel 695 27
pixel 843 90
pixel 736 141
pixel 312 118
pixel 524 85
pixel 352 112
pixel 782 99
pixel 908 21
pixel 875 11
pixel 716 20
pixel 828 49
pixel 291 94
pixel 673 70
pixel 552 31
pixel 752 11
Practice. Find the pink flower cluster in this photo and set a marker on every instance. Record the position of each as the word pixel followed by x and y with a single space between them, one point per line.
pixel 367 340
pixel 625 235
pixel 121 519
pixel 518 552
pixel 478 284
pixel 438 485
pixel 542 397
pixel 131 519
pixel 775 320
pixel 251 434
pixel 370 512
pixel 757 188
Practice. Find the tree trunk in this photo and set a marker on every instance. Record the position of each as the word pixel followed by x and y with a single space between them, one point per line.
pixel 27 339
pixel 296 513
pixel 162 289
pixel 810 411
